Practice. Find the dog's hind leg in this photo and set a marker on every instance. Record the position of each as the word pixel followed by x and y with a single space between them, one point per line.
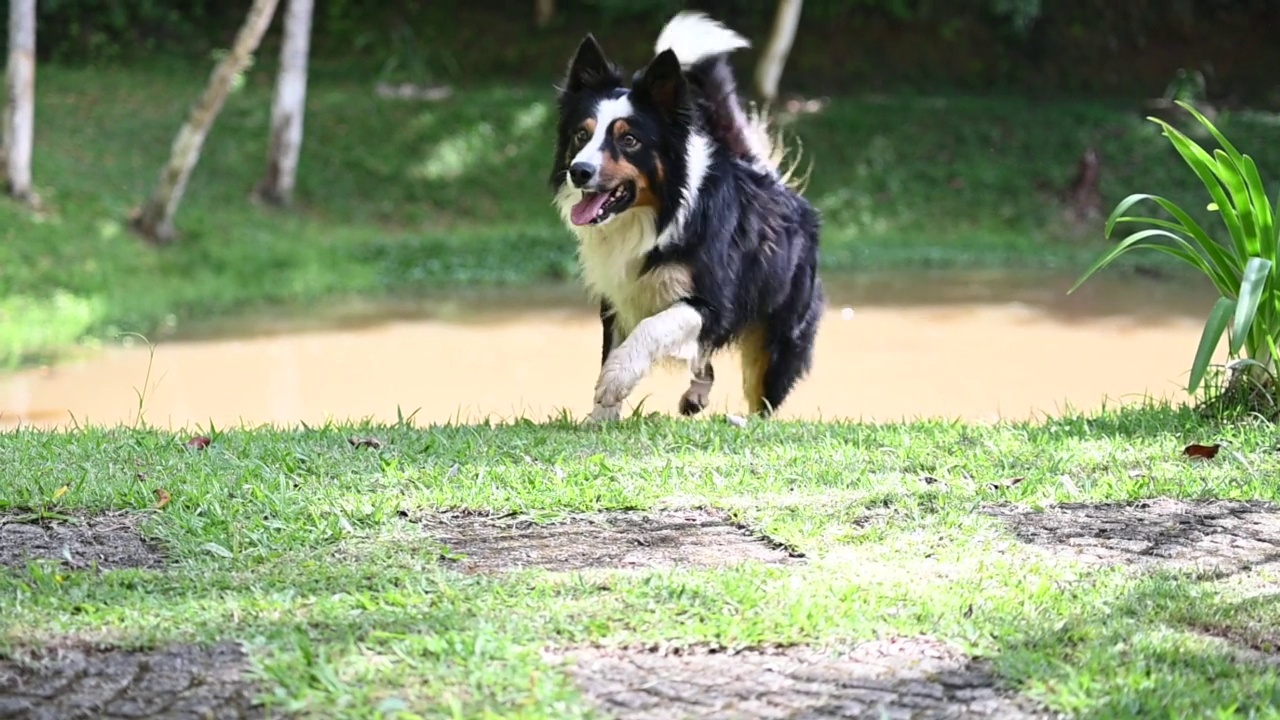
pixel 776 356
pixel 791 340
pixel 698 396
pixel 755 365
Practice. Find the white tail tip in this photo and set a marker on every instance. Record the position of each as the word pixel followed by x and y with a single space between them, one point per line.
pixel 693 36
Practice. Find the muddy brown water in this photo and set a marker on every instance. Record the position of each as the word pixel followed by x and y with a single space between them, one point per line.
pixel 977 346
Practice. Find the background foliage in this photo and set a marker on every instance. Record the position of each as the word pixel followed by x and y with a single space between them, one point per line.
pixel 1088 46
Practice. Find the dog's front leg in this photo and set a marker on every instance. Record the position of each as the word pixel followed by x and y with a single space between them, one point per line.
pixel 671 333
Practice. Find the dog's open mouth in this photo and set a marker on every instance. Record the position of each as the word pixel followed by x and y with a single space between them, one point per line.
pixel 596 207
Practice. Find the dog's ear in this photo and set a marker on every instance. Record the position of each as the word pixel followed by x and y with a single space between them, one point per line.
pixel 663 84
pixel 590 69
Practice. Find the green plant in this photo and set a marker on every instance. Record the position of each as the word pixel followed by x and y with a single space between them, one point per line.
pixel 1243 271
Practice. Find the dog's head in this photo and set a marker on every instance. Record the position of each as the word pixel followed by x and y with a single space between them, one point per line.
pixel 618 149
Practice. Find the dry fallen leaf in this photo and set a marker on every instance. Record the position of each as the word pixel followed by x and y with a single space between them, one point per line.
pixel 365 442
pixel 199 442
pixel 1006 483
pixel 1202 452
pixel 162 498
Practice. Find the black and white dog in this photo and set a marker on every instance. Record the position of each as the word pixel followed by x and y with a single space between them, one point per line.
pixel 689 234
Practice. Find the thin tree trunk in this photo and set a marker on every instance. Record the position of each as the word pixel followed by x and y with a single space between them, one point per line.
pixel 288 107
pixel 20 111
pixel 769 71
pixel 155 220
pixel 544 11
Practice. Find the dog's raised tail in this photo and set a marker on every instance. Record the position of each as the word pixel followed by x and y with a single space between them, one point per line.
pixel 694 37
pixel 702 45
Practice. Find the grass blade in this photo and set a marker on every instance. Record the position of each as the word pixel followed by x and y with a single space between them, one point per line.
pixel 1256 272
pixel 1219 316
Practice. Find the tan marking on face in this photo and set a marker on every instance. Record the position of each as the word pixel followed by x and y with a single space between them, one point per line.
pixel 755 363
pixel 614 172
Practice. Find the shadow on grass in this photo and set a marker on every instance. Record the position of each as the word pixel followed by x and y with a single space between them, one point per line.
pixel 1145 651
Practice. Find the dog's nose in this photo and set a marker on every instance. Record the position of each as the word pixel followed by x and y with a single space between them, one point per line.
pixel 581 173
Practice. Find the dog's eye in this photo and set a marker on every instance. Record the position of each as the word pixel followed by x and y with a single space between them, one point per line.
pixel 581 136
pixel 629 142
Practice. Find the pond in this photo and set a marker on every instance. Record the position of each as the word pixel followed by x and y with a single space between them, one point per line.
pixel 975 346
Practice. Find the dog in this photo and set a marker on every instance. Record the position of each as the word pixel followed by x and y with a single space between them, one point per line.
pixel 690 235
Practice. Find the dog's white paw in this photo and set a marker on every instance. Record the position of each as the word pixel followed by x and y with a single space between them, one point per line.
pixel 604 414
pixel 618 378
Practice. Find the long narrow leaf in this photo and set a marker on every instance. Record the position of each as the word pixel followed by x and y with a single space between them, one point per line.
pixel 1255 280
pixel 1182 252
pixel 1202 165
pixel 1261 204
pixel 1120 209
pixel 1220 257
pixel 1226 281
pixel 1276 223
pixel 1217 135
pixel 1219 316
pixel 1233 178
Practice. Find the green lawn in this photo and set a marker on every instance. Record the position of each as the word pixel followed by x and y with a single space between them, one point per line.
pixel 400 198
pixel 304 547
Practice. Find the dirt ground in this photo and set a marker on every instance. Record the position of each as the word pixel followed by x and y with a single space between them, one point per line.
pixel 71 682
pixel 896 678
pixel 481 543
pixel 108 541
pixel 1217 537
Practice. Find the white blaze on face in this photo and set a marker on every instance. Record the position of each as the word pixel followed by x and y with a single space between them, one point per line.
pixel 606 112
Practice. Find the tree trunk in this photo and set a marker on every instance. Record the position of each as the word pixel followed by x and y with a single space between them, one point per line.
pixel 155 220
pixel 20 111
pixel 288 107
pixel 774 57
pixel 544 11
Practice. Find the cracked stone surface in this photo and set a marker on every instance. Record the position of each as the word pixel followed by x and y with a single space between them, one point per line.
pixel 74 682
pixel 481 543
pixel 1217 536
pixel 896 679
pixel 108 541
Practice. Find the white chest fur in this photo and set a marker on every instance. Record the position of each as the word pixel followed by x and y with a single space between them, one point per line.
pixel 611 257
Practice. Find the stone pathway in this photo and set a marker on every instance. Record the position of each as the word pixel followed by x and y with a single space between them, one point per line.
pixel 481 543
pixel 74 682
pixel 1216 536
pixel 896 679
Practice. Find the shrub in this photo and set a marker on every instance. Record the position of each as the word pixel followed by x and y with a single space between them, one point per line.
pixel 1243 270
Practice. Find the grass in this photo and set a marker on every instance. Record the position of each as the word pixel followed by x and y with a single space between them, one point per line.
pixel 293 541
pixel 402 199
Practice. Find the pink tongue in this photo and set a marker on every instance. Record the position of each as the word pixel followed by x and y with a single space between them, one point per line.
pixel 585 211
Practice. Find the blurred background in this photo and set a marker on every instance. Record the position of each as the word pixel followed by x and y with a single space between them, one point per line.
pixel 283 212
